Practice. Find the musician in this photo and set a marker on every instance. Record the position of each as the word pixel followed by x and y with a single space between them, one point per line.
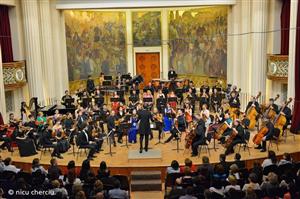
pixel 172 74
pixel 287 112
pixel 228 121
pixel 81 118
pixel 111 126
pixel 179 127
pixel 216 100
pixel 148 95
pixel 204 98
pixel 133 99
pixel 192 87
pixel 205 87
pixel 188 113
pixel 173 104
pixel 269 135
pixel 273 105
pixel 66 96
pixel 239 137
pixel 101 79
pixel 206 115
pixel 5 139
pixel 12 120
pixel 99 98
pixel 200 135
pixel 33 134
pixel 119 78
pixel 253 103
pixel 25 144
pixel 144 129
pixel 234 100
pixel 83 141
pixel 165 89
pixel 149 87
pixel 90 85
pixel 59 135
pixel 158 119
pixel 103 114
pixel 168 119
pixel 115 104
pixel 179 92
pixel 133 129
pixel 46 140
pixel 24 112
pixel 134 87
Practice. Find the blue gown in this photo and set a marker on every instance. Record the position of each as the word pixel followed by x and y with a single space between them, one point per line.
pixel 168 123
pixel 133 130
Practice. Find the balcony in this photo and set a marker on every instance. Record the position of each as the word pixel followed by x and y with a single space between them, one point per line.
pixel 14 75
pixel 277 69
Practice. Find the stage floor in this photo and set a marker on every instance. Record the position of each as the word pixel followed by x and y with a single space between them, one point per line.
pixel 120 157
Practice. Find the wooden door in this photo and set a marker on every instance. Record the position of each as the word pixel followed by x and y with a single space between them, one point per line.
pixel 147 65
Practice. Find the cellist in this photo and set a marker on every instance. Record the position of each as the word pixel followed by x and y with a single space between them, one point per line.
pixel 287 112
pixel 228 122
pixel 269 134
pixel 253 103
pixel 239 137
pixel 234 103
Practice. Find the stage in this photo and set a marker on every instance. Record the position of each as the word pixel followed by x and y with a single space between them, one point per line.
pixel 119 162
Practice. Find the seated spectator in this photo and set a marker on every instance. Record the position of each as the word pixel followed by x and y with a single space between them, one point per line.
pixel 53 171
pixel 205 168
pixel 258 170
pixel 234 170
pixel 75 189
pixel 97 188
pixel 36 166
pixel 103 171
pixel 71 178
pixel 186 180
pixel 85 170
pixel 217 187
pixel 270 160
pixel 252 183
pixel 238 161
pixel 250 193
pixel 188 163
pixel 232 184
pixel 219 173
pixel 270 184
pixel 9 167
pixel 2 165
pixel 99 195
pixel 117 192
pixel 286 159
pixel 222 159
pixel 188 194
pixel 80 195
pixel 58 190
pixel 174 168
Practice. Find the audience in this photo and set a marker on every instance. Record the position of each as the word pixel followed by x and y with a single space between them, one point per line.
pixel 174 168
pixel 270 160
pixel 188 163
pixel 54 171
pixel 286 159
pixel 103 171
pixel 117 192
pixel 9 167
pixel 252 183
pixel 232 184
pixel 238 162
pixel 270 185
pixel 205 168
pixel 36 166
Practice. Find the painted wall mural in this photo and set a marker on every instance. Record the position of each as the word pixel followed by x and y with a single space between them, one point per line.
pixel 146 28
pixel 198 41
pixel 96 42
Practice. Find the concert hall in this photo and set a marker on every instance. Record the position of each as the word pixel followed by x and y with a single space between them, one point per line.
pixel 150 99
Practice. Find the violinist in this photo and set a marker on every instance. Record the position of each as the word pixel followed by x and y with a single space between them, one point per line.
pixel 178 127
pixel 188 113
pixel 133 100
pixel 238 130
pixel 216 100
pixel 25 144
pixel 90 85
pixel 269 135
pixel 160 101
pixel 111 125
pixel 115 105
pixel 46 140
pixel 158 119
pixel 173 104
pixel 200 138
pixel 148 95
pixel 149 87
pixel 206 115
pixel 24 112
pixel 60 137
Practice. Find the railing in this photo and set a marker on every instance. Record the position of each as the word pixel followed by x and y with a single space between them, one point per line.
pixel 14 75
pixel 277 69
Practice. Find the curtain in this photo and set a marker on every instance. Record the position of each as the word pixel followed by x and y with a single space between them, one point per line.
pixel 296 114
pixel 285 26
pixel 5 35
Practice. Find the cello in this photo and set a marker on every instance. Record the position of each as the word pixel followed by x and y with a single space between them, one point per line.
pixel 234 112
pixel 252 114
pixel 280 119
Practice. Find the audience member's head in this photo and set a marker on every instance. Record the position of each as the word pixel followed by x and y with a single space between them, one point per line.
pixel 252 178
pixel 175 165
pixel 76 188
pixel 53 162
pixel 85 165
pixel 99 195
pixel 7 161
pixel 237 157
pixel 205 160
pixel 80 195
pixel 187 170
pixel 234 168
pixel 188 162
pixel 272 178
pixel 55 184
pixel 272 156
pixel 35 163
pixel 222 158
pixel 117 184
pixel 287 157
pixel 103 166
pixel 232 180
pixel 71 165
pixel 219 169
pixel 98 186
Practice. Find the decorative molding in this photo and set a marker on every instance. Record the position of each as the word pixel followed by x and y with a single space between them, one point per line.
pixel 277 69
pixel 14 75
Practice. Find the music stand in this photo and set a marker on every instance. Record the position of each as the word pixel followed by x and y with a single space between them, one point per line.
pixel 115 99
pixel 69 102
pixel 125 127
pixel 86 100
pixel 147 99
pixel 172 99
pixel 110 139
pixel 178 137
pixel 108 77
pixel 106 83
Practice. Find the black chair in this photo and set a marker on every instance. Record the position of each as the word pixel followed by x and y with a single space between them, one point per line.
pixel 287 133
pixel 46 147
pixel 171 180
pixel 124 181
pixel 286 169
pixel 272 168
pixel 26 176
pixel 80 147
pixel 245 142
pixel 202 146
pixel 8 175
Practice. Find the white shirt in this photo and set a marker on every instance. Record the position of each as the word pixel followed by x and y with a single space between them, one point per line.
pixel 254 186
pixel 235 187
pixel 266 162
pixel 39 168
pixel 12 168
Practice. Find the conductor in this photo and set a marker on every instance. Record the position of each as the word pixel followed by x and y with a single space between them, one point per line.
pixel 144 117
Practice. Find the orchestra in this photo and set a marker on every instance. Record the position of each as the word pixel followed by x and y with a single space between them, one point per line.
pixel 118 108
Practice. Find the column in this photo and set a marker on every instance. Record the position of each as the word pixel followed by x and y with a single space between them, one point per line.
pixel 129 43
pixel 2 92
pixel 259 47
pixel 292 49
pixel 47 50
pixel 165 43
pixel 33 53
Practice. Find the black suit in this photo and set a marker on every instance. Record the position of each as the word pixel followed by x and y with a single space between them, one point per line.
pixel 240 137
pixel 83 141
pixel 45 140
pixel 90 86
pixel 144 117
pixel 200 137
pixel 172 74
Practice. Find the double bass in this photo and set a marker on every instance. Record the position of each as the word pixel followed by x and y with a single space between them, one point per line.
pixel 231 137
pixel 252 114
pixel 220 130
pixel 280 119
pixel 234 111
pixel 270 113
